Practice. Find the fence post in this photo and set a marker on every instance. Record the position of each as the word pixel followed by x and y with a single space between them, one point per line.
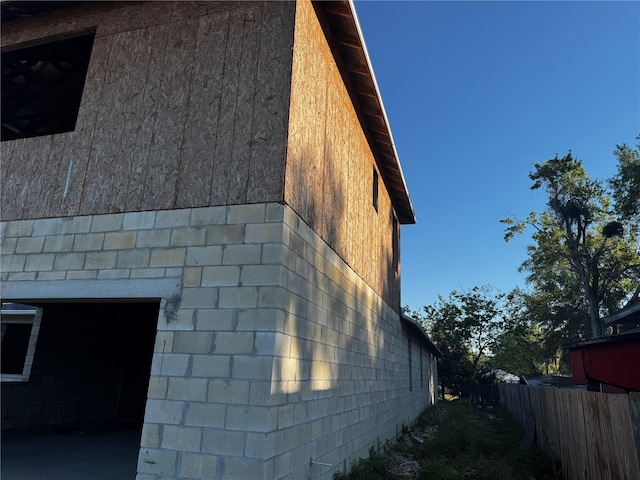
pixel 634 408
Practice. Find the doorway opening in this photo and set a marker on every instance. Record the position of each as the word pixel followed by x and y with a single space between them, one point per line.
pixel 80 412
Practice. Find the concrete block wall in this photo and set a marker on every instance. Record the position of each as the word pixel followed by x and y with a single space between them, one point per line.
pixel 270 350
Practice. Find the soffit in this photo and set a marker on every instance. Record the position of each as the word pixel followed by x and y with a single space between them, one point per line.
pixel 347 39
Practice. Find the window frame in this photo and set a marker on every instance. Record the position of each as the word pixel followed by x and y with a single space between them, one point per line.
pixel 33 317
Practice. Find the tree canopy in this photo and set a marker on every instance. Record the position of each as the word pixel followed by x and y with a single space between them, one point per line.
pixel 585 252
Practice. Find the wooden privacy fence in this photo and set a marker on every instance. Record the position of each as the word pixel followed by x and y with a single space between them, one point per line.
pixel 590 433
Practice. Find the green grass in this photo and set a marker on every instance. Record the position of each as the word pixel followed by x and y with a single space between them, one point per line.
pixel 469 444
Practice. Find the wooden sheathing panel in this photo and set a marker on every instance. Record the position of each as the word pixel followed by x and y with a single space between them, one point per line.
pixel 330 164
pixel 194 185
pixel 271 105
pixel 305 175
pixel 185 104
pixel 243 81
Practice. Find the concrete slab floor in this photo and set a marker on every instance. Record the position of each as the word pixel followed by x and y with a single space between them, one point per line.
pixel 70 456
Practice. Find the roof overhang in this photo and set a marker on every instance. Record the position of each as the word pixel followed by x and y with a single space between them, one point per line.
pixel 355 65
pixel 630 313
pixel 417 331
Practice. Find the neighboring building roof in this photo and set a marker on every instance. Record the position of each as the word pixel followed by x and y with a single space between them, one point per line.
pixel 630 313
pixel 361 82
pixel 547 381
pixel 416 329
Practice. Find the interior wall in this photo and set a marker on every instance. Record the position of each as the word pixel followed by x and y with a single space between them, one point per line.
pixel 91 368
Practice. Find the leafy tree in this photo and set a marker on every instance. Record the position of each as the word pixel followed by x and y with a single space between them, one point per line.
pixel 579 246
pixel 626 183
pixel 465 328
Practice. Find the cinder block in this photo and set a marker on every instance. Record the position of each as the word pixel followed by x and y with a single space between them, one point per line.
pixel 88 241
pixel 82 274
pixel 174 364
pixel 192 342
pixel 257 319
pixel 274 212
pixel 214 319
pixel 164 411
pixel 138 220
pixel 263 275
pixel 208 216
pixel 192 276
pixel 198 465
pixel 241 255
pixel 233 342
pixel 138 258
pixel 119 240
pixel 148 272
pixel 173 218
pixel 246 213
pixel 234 392
pixel 224 442
pixel 19 228
pixel 272 253
pixel 205 415
pixel 21 276
pixel 172 257
pixel 39 262
pixel 252 367
pixel 44 276
pixel 270 297
pixel 100 260
pixel 69 261
pixel 30 245
pixel 153 238
pixel 150 436
pixel 71 225
pixel 264 343
pixel 242 468
pixel 114 273
pixel 225 234
pixel 12 263
pixel 47 226
pixel 8 245
pixel 220 276
pixel 282 465
pixel 211 366
pixel 181 438
pixel 156 461
pixel 199 297
pixel 238 297
pixel 263 233
pixel 187 237
pixel 107 223
pixel 251 418
pixel 157 388
pixel 203 256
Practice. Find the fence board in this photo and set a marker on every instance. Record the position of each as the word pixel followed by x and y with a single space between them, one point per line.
pixel 591 434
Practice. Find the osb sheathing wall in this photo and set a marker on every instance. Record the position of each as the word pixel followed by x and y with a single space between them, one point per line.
pixel 329 172
pixel 185 104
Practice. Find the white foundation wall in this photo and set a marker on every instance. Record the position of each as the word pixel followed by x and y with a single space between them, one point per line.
pixel 270 353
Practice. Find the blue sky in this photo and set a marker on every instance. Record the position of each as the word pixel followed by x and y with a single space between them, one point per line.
pixel 476 92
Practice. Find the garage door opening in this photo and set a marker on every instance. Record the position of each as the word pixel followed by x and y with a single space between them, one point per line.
pixel 79 413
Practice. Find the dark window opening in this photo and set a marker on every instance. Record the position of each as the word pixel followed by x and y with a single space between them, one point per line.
pixel 395 247
pixel 421 370
pixel 15 342
pixel 410 367
pixel 375 189
pixel 42 86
